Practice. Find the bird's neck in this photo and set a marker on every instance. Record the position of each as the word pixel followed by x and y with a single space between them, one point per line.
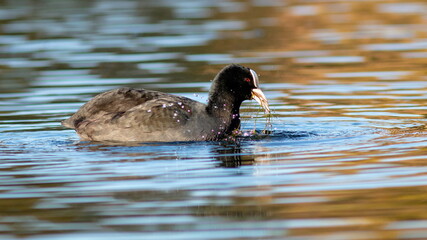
pixel 225 107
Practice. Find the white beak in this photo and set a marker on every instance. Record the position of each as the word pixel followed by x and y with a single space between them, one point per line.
pixel 259 96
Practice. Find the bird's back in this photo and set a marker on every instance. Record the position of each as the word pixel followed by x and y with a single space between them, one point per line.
pixel 128 114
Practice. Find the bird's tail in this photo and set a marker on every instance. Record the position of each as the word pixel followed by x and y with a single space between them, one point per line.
pixel 67 123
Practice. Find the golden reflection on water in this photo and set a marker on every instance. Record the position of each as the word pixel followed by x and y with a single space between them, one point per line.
pixel 371 65
pixel 369 54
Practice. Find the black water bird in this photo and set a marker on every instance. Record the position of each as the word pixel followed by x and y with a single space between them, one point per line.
pixel 128 114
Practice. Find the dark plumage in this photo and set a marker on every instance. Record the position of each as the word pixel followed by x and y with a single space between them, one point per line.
pixel 141 115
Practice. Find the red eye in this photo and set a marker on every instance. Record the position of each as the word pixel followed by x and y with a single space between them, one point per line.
pixel 247 80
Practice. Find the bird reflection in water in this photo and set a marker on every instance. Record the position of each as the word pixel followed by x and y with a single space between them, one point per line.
pixel 231 156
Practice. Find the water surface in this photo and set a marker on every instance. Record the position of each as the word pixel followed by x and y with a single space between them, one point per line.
pixel 345 159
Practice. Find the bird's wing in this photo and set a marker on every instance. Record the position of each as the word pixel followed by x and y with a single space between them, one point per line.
pixel 154 120
pixel 125 114
pixel 117 101
pixel 155 115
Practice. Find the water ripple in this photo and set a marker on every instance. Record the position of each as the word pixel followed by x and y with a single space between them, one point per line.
pixel 340 157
